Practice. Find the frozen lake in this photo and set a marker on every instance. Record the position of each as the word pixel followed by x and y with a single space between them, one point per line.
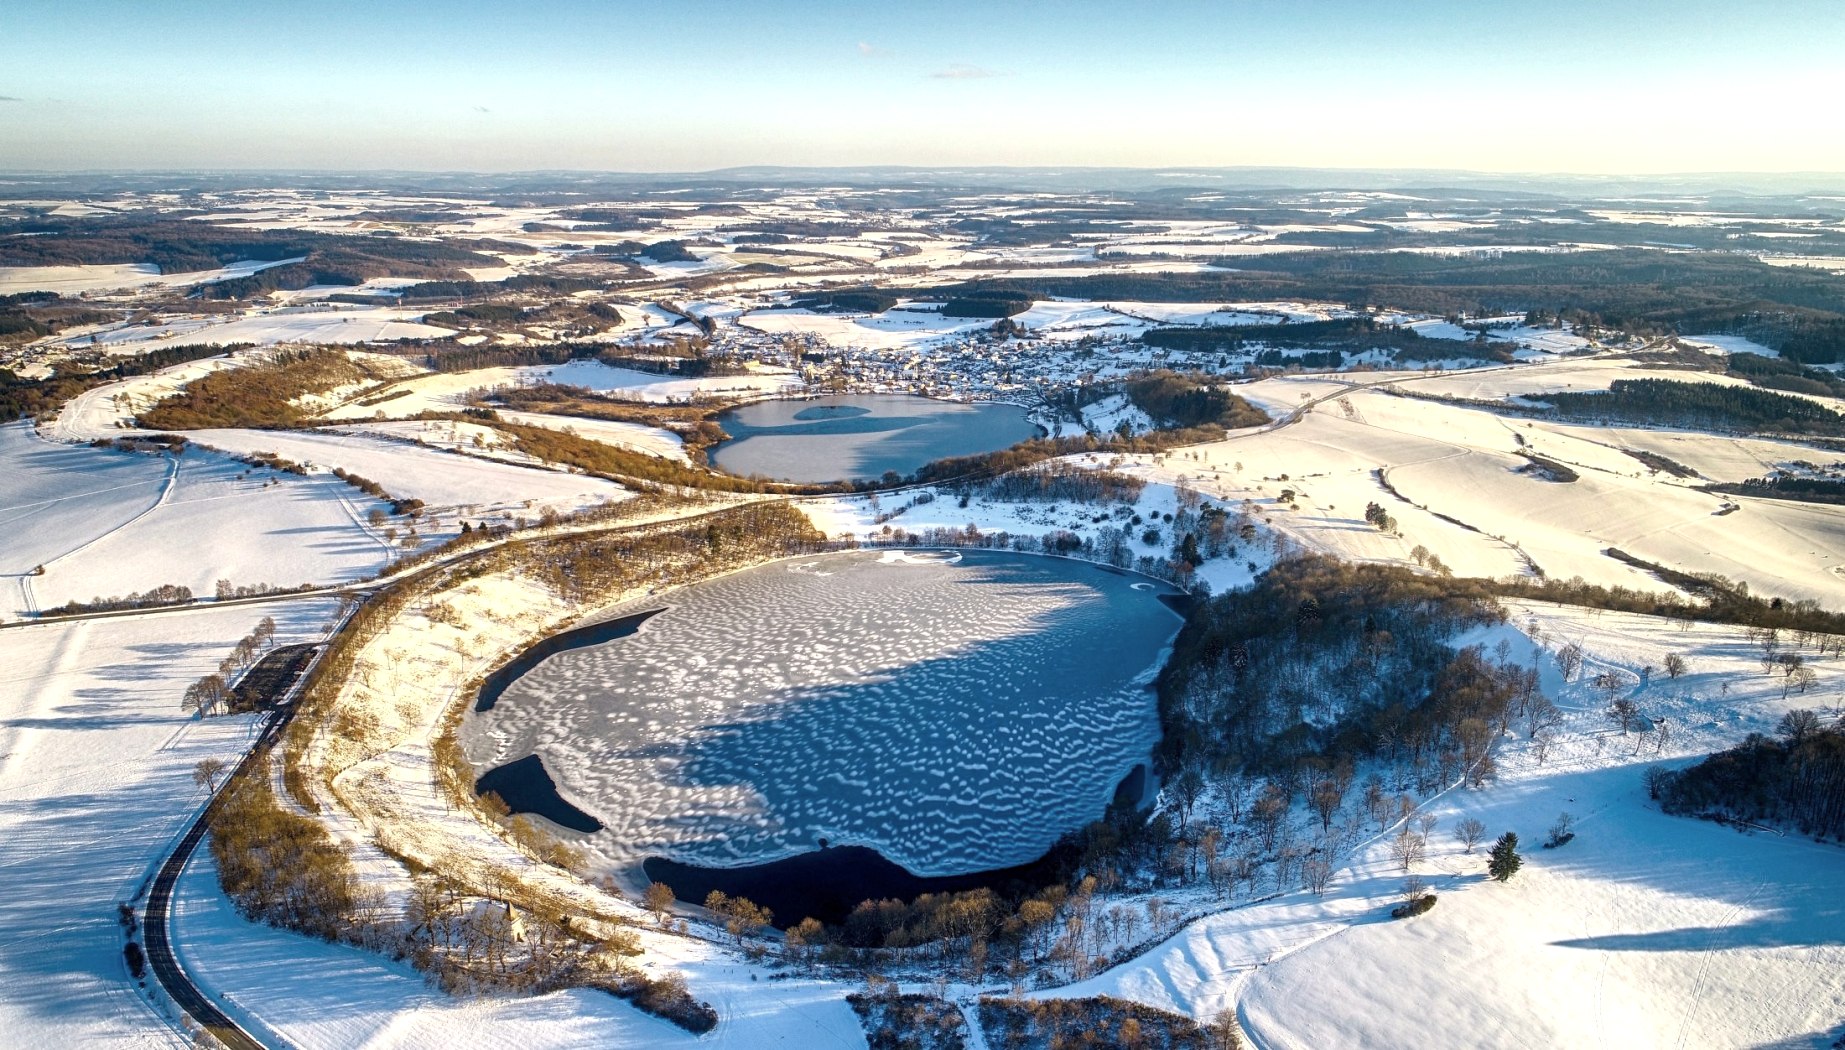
pixel 853 436
pixel 955 711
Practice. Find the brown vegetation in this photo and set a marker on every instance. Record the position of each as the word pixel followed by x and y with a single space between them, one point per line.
pixel 1101 1022
pixel 257 395
pixel 894 1021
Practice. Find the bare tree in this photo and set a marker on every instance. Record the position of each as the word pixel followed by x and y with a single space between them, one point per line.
pixel 1316 871
pixel 430 912
pixel 1768 640
pixel 659 899
pixel 1675 665
pixel 801 939
pixel 1569 660
pixel 742 916
pixel 1425 823
pixel 1407 847
pixel 1540 745
pixel 1797 726
pixel 1469 832
pixel 1234 789
pixel 1325 799
pixel 1625 714
pixel 1540 714
pixel 1377 804
pixel 1223 1031
pixel 1187 789
pixel 205 774
pixel 1609 685
pixel 1800 677
pixel 1561 832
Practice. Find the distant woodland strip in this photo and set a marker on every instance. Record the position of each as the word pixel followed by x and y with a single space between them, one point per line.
pixel 41 398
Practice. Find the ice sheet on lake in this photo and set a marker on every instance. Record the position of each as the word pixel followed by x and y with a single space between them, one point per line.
pixel 955 713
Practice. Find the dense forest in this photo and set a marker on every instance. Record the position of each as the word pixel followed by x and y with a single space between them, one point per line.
pixel 177 245
pixel 669 251
pixel 33 315
pixel 1829 491
pixel 468 316
pixel 1794 780
pixel 854 300
pixel 1322 663
pixel 1174 401
pixel 1345 334
pixel 1777 373
pixel 519 283
pixel 1099 1023
pixel 1652 402
pixel 987 303
pixel 1800 313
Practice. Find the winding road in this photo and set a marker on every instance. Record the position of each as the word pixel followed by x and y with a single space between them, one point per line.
pixel 157 924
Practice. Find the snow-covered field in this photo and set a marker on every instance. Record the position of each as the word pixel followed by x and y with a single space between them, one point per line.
pixel 96 764
pixel 641 438
pixel 55 497
pixel 449 483
pixel 222 520
pixel 1729 344
pixel 1646 930
pixel 897 327
pixel 320 996
pixel 329 324
pixel 1579 377
pixel 103 523
pixel 1462 463
pixel 75 280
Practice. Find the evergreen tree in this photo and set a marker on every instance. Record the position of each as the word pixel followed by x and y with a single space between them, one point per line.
pixel 1504 861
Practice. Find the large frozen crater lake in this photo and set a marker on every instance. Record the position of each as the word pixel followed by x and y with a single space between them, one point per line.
pixel 957 711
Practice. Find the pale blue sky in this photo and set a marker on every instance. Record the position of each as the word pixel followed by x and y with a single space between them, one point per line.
pixel 1611 85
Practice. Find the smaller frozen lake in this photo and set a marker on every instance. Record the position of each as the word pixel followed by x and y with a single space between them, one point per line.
pixel 955 711
pixel 856 436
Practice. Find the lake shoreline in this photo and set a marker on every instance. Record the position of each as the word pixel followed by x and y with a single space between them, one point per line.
pixel 860 437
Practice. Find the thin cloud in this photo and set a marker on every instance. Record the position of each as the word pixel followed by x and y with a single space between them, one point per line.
pixel 963 71
pixel 11 98
pixel 868 50
pixel 482 109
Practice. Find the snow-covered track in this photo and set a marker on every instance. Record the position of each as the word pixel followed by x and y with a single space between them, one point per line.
pixel 158 916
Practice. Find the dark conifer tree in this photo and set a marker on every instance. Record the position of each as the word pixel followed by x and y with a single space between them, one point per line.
pixel 1504 861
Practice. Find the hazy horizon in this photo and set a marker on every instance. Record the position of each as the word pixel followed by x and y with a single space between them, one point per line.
pixel 1628 87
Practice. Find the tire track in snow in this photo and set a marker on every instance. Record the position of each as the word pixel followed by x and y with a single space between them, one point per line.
pixel 166 492
pixel 1708 952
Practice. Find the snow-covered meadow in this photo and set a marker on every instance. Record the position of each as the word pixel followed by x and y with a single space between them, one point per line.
pixel 1645 930
pixel 96 779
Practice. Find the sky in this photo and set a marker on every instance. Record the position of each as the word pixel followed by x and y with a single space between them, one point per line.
pixel 1590 86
